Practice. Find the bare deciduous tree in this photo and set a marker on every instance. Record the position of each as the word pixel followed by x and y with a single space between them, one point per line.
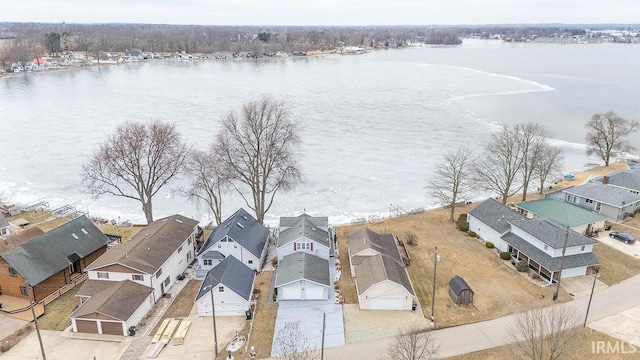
pixel 135 162
pixel 412 343
pixel 209 181
pixel 452 178
pixel 500 163
pixel 532 139
pixel 291 344
pixel 607 135
pixel 544 333
pixel 550 163
pixel 259 149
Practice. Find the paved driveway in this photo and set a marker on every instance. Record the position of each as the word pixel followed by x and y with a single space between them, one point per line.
pixel 9 325
pixel 631 249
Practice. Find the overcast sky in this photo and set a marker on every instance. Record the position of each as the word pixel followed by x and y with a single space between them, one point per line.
pixel 323 12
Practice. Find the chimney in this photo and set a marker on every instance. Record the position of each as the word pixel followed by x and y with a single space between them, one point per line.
pixel 605 179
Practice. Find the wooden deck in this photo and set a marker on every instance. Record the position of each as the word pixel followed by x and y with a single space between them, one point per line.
pixel 19 308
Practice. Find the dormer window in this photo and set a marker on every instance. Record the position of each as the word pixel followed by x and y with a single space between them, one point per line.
pixel 302 246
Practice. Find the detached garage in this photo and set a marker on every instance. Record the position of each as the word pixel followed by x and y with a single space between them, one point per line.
pixel 111 310
pixel 383 284
pixel 232 284
pixel 302 276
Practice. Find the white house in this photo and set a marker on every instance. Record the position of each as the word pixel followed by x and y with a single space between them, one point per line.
pixel 240 236
pixel 302 276
pixel 537 241
pixel 305 233
pixel 382 281
pixel 111 307
pixel 232 284
pixel 153 257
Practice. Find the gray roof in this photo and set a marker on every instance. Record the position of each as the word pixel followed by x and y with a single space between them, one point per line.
pixel 3 222
pixel 231 273
pixel 457 284
pixel 378 268
pixel 150 247
pixel 242 228
pixel 545 260
pixel 365 238
pixel 551 234
pixel 319 221
pixel 213 255
pixel 40 258
pixel 495 215
pixel 302 266
pixel 304 226
pixel 628 179
pixel 16 239
pixel 118 301
pixel 605 194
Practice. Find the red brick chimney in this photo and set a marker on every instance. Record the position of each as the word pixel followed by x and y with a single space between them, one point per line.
pixel 605 179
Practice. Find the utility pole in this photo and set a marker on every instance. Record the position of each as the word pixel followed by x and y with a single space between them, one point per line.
pixel 213 315
pixel 35 319
pixel 324 322
pixel 436 260
pixel 564 249
pixel 586 316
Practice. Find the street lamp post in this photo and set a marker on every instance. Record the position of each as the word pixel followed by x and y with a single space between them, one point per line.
pixel 436 260
pixel 213 315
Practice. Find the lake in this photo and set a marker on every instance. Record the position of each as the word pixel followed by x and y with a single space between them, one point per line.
pixel 373 125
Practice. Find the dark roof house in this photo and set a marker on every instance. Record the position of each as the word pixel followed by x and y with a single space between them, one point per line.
pixel 232 274
pixel 243 229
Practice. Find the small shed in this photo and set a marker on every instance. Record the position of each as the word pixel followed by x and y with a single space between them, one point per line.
pixel 459 291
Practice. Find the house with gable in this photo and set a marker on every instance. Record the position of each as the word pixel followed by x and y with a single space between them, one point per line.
pixel 381 279
pixel 304 250
pixel 537 241
pixel 241 236
pixel 232 285
pixel 624 179
pixel 613 202
pixel 50 260
pixel 575 217
pixel 153 257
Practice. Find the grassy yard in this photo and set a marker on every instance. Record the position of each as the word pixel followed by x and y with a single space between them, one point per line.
pixel 584 350
pixel 264 321
pixel 56 314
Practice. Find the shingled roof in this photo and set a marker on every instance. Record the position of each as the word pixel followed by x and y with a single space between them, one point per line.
pixel 150 247
pixel 242 228
pixel 231 273
pixel 40 258
pixel 16 239
pixel 364 239
pixel 379 268
pixel 610 195
pixel 304 226
pixel 302 266
pixel 118 301
pixel 495 215
pixel 551 234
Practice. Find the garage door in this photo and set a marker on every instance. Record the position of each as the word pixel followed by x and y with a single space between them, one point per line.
pixel 386 304
pixel 291 293
pixel 87 326
pixel 314 293
pixel 111 328
pixel 229 309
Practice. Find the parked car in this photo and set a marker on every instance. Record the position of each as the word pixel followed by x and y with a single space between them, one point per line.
pixel 624 237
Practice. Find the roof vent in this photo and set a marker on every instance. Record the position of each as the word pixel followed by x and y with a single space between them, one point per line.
pixel 245 217
pixel 240 225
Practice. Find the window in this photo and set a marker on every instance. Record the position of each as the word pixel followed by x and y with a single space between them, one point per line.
pixel 180 249
pixel 207 262
pixel 84 231
pixel 588 201
pixel 582 248
pixel 189 241
pixel 103 275
pixel 250 262
pixel 220 288
pixel 13 272
pixel 219 246
pixel 137 277
pixel 158 274
pixel 303 246
pixel 24 291
pixel 572 199
pixel 167 281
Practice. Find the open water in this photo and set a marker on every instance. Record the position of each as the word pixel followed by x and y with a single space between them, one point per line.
pixel 373 125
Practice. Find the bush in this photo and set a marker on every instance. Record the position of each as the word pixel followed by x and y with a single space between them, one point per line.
pixel 489 245
pixel 410 238
pixel 463 225
pixel 522 266
pixel 505 255
pixel 535 276
pixel 473 234
pixel 595 269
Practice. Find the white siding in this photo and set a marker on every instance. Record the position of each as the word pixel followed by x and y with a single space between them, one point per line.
pixel 486 233
pixel 232 248
pixel 578 271
pixel 389 290
pixel 228 303
pixel 319 250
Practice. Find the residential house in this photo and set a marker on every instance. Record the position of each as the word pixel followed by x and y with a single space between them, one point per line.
pixel 304 248
pixel 5 227
pixel 7 279
pixel 241 236
pixel 52 259
pixel 153 257
pixel 112 308
pixel 624 179
pixel 567 215
pixel 613 202
pixel 232 285
pixel 382 281
pixel 537 241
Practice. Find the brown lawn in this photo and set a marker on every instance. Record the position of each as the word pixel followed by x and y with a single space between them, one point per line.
pixel 56 314
pixel 586 348
pixel 615 265
pixel 182 304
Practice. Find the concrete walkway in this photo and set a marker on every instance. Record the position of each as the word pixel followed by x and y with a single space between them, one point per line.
pixel 493 333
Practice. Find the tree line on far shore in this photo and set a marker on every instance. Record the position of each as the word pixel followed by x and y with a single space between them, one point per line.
pixel 256 154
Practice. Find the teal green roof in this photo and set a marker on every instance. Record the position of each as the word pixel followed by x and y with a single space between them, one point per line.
pixel 561 212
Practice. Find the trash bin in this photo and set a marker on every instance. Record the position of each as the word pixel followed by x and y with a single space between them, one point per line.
pixel 414 306
pixel 248 314
pixel 132 330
